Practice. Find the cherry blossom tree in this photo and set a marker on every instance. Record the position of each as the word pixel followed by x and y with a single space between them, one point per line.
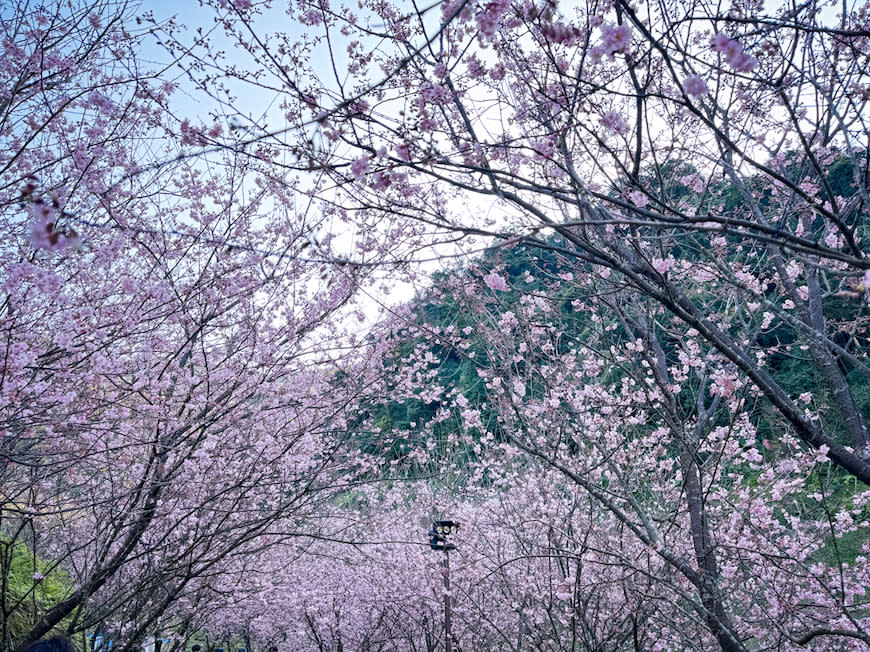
pixel 704 170
pixel 638 459
pixel 373 583
pixel 166 383
pixel 640 467
pixel 699 146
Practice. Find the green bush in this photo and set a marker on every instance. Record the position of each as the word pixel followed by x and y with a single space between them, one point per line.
pixel 33 586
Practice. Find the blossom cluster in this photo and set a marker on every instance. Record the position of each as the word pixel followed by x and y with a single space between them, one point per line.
pixel 614 38
pixel 733 52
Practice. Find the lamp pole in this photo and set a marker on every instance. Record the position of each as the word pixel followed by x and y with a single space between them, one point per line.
pixel 447 633
pixel 441 538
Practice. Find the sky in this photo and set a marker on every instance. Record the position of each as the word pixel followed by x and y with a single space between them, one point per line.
pixel 259 107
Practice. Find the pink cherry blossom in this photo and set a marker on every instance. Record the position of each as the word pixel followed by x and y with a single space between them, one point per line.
pixel 693 181
pixel 403 151
pixel 360 167
pixel 720 41
pixel 614 121
pixel 495 281
pixel 489 16
pixel 743 62
pixel 694 85
pixel 638 198
pixel 663 265
pixel 615 38
pixel 734 53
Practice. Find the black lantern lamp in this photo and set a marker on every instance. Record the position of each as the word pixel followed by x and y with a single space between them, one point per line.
pixel 441 535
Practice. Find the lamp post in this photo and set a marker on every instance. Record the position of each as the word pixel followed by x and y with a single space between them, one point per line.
pixel 441 538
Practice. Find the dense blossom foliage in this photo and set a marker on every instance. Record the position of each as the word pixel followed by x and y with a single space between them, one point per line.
pixel 683 472
pixel 163 403
pixel 646 403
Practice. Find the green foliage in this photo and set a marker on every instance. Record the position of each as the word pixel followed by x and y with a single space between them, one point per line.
pixel 844 549
pixel 837 490
pixel 531 270
pixel 28 596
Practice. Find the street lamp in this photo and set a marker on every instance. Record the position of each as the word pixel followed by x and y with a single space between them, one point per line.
pixel 441 538
pixel 441 535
